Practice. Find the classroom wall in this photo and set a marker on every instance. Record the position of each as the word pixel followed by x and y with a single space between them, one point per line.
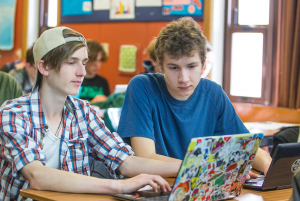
pixel 16 52
pixel 117 34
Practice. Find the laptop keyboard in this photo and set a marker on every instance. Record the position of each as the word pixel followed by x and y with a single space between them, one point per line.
pixel 256 182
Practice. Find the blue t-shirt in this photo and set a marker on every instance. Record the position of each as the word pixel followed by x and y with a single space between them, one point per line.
pixel 150 111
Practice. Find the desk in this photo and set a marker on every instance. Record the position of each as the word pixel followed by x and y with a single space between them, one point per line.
pixel 246 195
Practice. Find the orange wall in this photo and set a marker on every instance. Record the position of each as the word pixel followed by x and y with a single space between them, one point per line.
pixel 117 34
pixel 10 56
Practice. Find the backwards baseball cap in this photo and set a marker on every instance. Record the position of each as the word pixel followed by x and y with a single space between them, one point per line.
pixel 49 40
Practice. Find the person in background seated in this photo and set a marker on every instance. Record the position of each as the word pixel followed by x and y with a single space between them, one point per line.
pixel 26 75
pixel 47 136
pixel 208 62
pixel 17 64
pixel 94 87
pixel 162 112
pixel 9 87
pixel 151 65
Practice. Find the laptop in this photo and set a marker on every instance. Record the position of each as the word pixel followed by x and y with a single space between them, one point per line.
pixel 285 163
pixel 214 168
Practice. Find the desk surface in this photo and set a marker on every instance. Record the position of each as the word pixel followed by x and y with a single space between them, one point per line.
pixel 246 195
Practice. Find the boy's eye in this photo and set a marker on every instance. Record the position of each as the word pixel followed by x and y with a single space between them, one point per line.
pixel 191 66
pixel 174 68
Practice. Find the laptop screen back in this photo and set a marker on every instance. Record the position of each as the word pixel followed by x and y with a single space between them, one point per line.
pixel 215 167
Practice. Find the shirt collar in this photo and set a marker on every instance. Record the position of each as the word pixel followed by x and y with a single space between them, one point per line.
pixel 37 115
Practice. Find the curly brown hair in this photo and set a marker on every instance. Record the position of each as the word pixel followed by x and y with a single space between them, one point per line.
pixel 93 49
pixel 180 38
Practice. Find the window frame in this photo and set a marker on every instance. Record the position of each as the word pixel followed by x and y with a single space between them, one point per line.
pixel 231 26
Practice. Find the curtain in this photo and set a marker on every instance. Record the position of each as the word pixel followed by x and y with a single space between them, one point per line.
pixel 289 60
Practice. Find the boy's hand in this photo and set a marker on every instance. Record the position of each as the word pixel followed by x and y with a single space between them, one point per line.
pixel 137 182
pixel 251 175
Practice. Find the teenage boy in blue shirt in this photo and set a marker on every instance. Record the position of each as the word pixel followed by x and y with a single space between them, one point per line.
pixel 162 112
pixel 47 136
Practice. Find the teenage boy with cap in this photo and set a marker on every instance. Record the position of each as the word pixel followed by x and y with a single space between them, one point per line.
pixel 162 112
pixel 47 135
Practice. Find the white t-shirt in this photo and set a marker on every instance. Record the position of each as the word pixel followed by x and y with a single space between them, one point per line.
pixel 51 149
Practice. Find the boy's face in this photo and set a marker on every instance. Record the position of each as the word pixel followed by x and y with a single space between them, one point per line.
pixel 68 80
pixel 182 75
pixel 92 67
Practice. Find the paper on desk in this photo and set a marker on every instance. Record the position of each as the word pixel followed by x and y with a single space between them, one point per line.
pixel 267 125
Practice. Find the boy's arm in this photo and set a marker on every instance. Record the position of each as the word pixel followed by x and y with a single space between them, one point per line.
pixel 262 161
pixel 145 147
pixel 134 165
pixel 41 177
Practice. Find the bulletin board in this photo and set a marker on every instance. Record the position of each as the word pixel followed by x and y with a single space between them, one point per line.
pixel 81 11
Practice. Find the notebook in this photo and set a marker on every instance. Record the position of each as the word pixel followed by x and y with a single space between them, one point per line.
pixel 285 163
pixel 214 168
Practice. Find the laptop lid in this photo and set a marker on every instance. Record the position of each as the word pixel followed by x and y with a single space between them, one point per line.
pixel 215 167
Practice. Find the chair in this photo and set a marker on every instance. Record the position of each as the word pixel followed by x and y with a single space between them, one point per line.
pixel 112 117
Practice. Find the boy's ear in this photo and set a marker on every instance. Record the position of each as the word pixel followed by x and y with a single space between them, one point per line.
pixel 42 68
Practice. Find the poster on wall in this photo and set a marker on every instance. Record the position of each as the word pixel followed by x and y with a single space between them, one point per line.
pixel 122 9
pixel 101 4
pixel 148 3
pixel 127 62
pixel 76 7
pixel 182 7
pixel 7 24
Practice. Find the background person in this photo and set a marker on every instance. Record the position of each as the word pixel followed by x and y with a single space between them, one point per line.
pixel 26 75
pixel 151 65
pixel 95 88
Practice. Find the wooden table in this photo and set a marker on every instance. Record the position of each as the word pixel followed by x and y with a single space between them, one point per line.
pixel 246 195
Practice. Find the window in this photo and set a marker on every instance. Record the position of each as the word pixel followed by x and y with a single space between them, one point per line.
pixel 248 51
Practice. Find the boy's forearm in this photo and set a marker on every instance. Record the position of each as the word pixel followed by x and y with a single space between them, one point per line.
pixel 46 178
pixel 164 158
pixel 134 165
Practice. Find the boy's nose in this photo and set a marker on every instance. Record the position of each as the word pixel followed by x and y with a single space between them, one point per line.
pixel 81 72
pixel 184 75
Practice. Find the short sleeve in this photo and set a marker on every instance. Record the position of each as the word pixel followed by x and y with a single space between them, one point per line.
pixel 136 116
pixel 18 147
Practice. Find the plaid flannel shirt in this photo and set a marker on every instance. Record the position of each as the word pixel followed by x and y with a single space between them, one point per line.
pixel 22 122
